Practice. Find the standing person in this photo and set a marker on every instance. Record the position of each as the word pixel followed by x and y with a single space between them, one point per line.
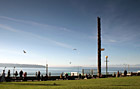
pixel 21 73
pixel 86 76
pixel 46 77
pixel 38 76
pixel 3 76
pixel 89 76
pixel 25 76
pixel 8 79
pixel 8 74
pixel 49 73
pixel 61 76
pixel 125 73
pixel 118 74
pixel 66 75
pixel 42 77
pixel 16 74
pixel 80 76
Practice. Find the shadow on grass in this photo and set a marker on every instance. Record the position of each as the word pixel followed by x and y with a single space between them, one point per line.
pixel 120 85
pixel 32 84
pixel 54 84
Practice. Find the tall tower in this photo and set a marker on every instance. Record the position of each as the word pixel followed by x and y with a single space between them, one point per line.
pixel 99 47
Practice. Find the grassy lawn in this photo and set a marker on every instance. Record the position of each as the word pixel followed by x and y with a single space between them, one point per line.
pixel 102 83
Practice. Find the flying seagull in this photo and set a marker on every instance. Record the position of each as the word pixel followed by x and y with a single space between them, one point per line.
pixel 24 51
pixel 74 49
pixel 70 62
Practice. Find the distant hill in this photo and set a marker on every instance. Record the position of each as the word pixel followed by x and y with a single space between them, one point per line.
pixel 125 65
pixel 21 65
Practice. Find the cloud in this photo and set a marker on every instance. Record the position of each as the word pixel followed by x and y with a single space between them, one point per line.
pixel 5 27
pixel 108 40
pixel 92 37
pixel 49 27
pixel 11 52
pixel 119 29
pixel 36 24
pixel 113 41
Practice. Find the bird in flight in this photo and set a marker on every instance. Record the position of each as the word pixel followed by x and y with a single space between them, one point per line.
pixel 24 51
pixel 74 49
pixel 70 62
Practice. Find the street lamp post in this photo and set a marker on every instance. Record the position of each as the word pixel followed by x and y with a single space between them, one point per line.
pixel 46 69
pixel 106 65
pixel 14 71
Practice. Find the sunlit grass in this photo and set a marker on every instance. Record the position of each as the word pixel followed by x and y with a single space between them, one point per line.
pixel 102 83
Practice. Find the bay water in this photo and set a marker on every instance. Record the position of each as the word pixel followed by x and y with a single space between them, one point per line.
pixel 56 71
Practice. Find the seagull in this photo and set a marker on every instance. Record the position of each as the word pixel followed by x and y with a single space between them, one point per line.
pixel 70 62
pixel 74 49
pixel 24 51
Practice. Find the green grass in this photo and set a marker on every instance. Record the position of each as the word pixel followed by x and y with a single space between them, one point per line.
pixel 102 83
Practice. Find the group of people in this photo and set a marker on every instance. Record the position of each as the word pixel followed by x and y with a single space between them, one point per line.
pixel 24 75
pixel 119 74
pixel 21 74
pixel 15 74
pixel 66 76
pixel 42 78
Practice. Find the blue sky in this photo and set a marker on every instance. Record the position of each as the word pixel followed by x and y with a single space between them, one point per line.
pixel 48 30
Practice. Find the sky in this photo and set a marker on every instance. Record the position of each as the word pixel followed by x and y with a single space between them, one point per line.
pixel 49 30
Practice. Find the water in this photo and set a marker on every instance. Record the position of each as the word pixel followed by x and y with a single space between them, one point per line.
pixel 56 71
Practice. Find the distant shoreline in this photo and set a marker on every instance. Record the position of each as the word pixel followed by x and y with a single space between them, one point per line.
pixel 21 65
